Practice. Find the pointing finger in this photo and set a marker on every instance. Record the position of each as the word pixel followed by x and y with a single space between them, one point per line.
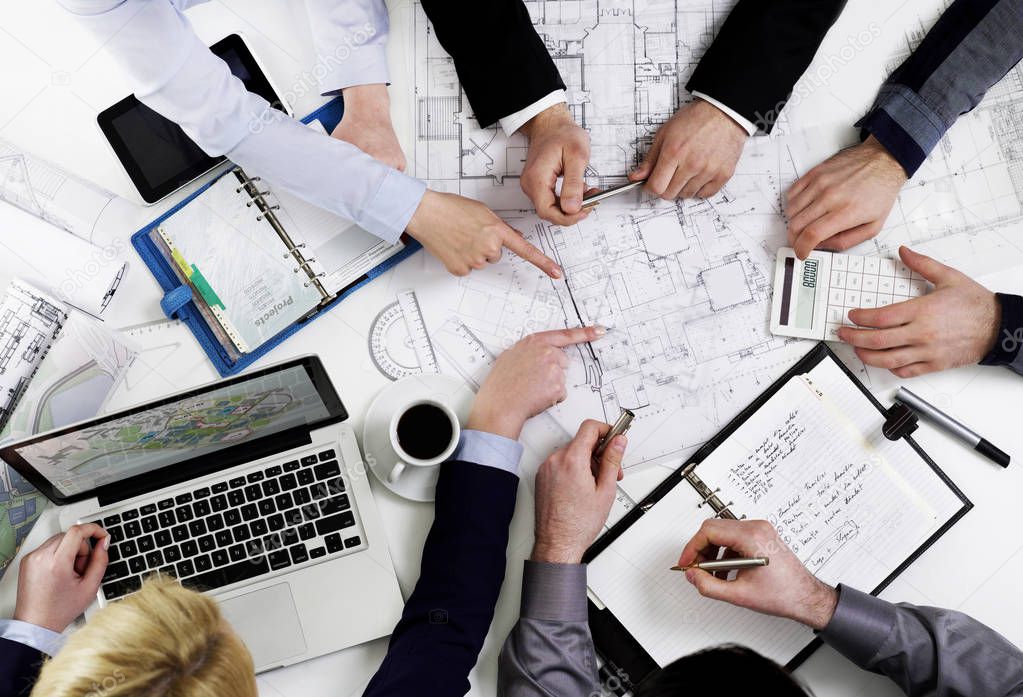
pixel 521 246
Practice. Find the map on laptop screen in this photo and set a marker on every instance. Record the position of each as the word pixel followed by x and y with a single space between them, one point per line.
pixel 198 424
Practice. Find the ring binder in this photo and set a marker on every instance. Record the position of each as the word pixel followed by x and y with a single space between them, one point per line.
pixel 257 197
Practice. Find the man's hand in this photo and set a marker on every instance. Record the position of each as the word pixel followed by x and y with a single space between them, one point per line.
pixel 557 147
pixel 845 199
pixel 526 379
pixel 693 154
pixel 784 588
pixel 60 579
pixel 574 496
pixel 466 235
pixel 366 124
pixel 956 324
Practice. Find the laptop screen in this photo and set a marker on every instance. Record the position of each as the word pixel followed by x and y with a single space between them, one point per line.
pixel 86 457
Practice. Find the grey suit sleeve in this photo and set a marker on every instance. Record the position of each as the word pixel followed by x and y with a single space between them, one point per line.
pixel 549 652
pixel 925 650
pixel 971 47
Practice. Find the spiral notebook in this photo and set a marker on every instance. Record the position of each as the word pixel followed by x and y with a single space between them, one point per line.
pixel 808 456
pixel 244 266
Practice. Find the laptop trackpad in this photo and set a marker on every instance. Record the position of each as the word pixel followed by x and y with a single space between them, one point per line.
pixel 268 623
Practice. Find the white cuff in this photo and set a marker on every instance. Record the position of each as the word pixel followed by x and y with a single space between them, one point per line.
pixel 732 113
pixel 38 638
pixel 513 122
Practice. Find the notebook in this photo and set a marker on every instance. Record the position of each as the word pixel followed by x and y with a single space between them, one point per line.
pixel 809 457
pixel 244 266
pixel 813 296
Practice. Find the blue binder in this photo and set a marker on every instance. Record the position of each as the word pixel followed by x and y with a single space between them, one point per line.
pixel 178 301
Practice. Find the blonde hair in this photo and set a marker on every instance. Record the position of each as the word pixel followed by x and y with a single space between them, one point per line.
pixel 163 641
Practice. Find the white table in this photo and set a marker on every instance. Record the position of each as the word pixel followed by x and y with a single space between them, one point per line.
pixel 50 105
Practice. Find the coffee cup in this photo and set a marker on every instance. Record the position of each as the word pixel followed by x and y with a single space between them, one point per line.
pixel 424 433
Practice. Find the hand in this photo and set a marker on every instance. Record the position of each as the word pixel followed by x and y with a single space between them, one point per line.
pixel 526 379
pixel 956 324
pixel 693 154
pixel 366 124
pixel 60 579
pixel 845 199
pixel 557 146
pixel 784 588
pixel 573 498
pixel 466 235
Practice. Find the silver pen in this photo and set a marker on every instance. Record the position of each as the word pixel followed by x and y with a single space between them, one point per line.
pixel 608 193
pixel 619 428
pixel 726 564
pixel 953 426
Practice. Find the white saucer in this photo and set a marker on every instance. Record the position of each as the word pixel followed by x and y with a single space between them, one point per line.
pixel 415 483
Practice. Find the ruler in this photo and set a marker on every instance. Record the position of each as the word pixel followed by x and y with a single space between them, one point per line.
pixel 465 351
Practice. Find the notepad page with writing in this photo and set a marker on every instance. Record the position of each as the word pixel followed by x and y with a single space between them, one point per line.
pixel 853 507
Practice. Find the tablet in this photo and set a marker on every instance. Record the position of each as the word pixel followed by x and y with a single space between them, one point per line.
pixel 155 152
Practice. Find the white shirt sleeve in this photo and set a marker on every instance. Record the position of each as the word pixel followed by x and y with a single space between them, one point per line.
pixel 350 37
pixel 513 122
pixel 732 113
pixel 38 638
pixel 176 75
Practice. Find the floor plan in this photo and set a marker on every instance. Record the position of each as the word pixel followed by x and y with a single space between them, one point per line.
pixel 685 287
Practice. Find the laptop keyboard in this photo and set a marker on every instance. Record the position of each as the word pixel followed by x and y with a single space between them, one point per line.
pixel 237 529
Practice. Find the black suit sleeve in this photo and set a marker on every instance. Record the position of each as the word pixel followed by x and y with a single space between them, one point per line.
pixel 446 619
pixel 19 668
pixel 761 51
pixel 501 61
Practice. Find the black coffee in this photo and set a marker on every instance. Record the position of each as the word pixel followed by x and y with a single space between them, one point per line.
pixel 424 431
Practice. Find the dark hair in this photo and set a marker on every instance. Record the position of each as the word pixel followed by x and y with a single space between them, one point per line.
pixel 737 669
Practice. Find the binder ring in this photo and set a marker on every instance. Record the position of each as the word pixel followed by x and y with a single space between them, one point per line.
pixel 305 264
pixel 292 250
pixel 708 497
pixel 267 210
pixel 724 508
pixel 245 180
pixel 313 277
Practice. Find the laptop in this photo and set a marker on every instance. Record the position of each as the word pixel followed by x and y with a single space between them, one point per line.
pixel 251 489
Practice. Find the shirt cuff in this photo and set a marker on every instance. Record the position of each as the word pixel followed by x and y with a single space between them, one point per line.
pixel 554 592
pixel 510 124
pixel 390 211
pixel 904 124
pixel 363 65
pixel 860 625
pixel 1006 350
pixel 489 450
pixel 38 638
pixel 751 129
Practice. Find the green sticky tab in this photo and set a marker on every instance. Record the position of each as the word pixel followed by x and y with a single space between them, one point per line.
pixel 204 288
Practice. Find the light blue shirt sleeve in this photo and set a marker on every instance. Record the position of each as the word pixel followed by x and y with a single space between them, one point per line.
pixel 350 38
pixel 30 635
pixel 490 450
pixel 176 75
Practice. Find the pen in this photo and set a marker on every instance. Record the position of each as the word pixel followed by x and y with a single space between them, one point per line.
pixel 726 564
pixel 608 193
pixel 953 426
pixel 619 428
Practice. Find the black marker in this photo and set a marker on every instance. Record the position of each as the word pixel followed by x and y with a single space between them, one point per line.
pixel 953 426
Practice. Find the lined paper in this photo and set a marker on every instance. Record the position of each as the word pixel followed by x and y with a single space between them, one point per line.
pixel 852 506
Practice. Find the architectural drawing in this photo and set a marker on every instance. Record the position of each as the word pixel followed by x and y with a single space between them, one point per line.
pixel 51 194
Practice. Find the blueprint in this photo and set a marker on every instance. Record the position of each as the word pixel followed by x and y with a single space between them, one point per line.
pixel 53 195
pixel 685 287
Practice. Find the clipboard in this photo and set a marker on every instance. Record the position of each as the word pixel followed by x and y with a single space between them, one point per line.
pixel 626 664
pixel 179 300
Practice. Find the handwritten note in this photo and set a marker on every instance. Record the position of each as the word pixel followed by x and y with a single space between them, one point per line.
pixel 850 504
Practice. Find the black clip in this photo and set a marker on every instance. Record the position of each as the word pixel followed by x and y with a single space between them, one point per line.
pixel 900 421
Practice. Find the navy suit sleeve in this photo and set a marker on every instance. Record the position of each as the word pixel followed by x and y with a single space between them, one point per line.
pixel 19 668
pixel 447 617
